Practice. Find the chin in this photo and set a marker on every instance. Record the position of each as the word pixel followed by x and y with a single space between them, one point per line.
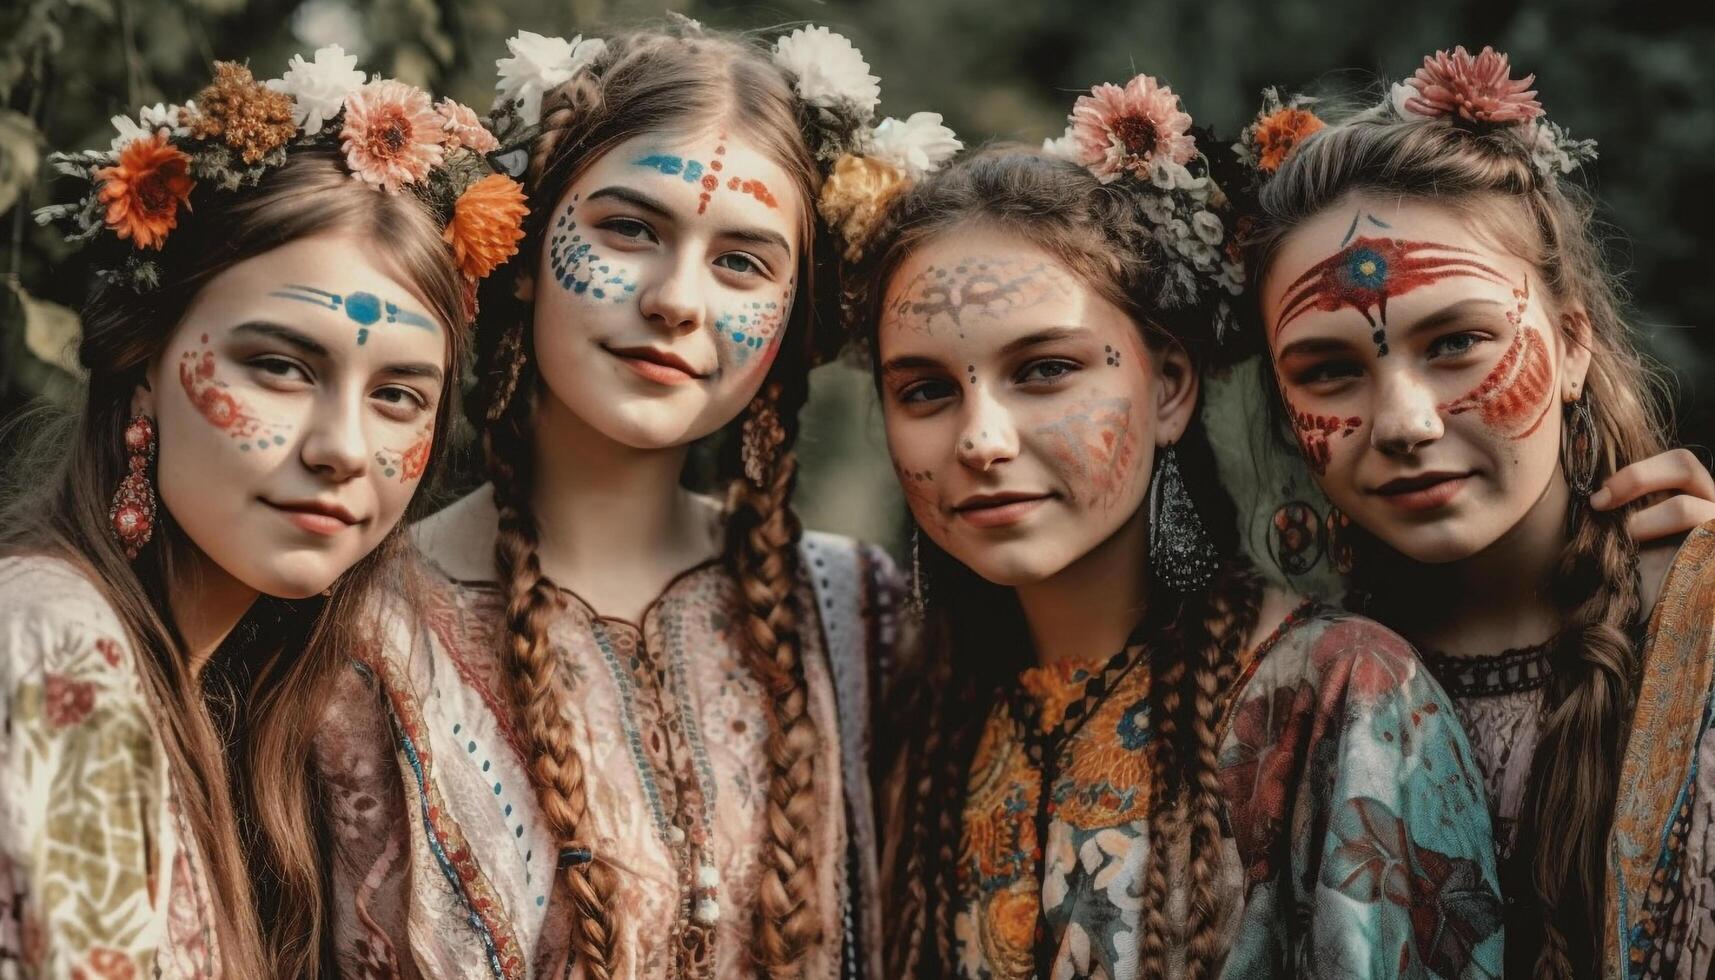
pixel 1013 565
pixel 1436 543
pixel 295 577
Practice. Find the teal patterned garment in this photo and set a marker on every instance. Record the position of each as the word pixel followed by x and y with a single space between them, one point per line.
pixel 1355 843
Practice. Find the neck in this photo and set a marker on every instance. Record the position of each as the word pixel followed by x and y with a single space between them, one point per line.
pixel 206 602
pixel 595 499
pixel 1088 609
pixel 1503 593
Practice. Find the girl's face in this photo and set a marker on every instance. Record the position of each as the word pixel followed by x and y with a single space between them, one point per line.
pixel 665 287
pixel 1023 409
pixel 295 408
pixel 1422 366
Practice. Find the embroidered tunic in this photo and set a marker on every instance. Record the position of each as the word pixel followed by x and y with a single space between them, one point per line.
pixel 1355 841
pixel 1661 888
pixel 445 866
pixel 98 875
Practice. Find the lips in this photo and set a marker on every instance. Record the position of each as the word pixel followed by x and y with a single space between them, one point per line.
pixel 657 365
pixel 1423 491
pixel 315 516
pixel 992 510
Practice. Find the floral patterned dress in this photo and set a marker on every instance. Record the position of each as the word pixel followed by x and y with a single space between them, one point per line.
pixel 1661 885
pixel 444 867
pixel 1355 839
pixel 98 878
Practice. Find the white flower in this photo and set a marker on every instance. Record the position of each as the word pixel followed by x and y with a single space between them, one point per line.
pixel 827 69
pixel 1157 208
pixel 708 912
pixel 1167 175
pixel 1208 227
pixel 540 64
pixel 318 88
pixel 917 146
pixel 1398 95
pixel 1066 147
pixel 151 119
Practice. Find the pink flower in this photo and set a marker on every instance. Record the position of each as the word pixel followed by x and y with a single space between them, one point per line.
pixel 462 128
pixel 392 136
pixel 65 701
pixel 1133 128
pixel 1478 89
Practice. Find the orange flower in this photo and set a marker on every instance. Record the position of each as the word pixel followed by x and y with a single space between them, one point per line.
pixel 1012 929
pixel 143 192
pixel 1279 133
pixel 249 117
pixel 488 221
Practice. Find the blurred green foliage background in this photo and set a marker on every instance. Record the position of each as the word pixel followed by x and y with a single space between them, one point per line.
pixel 1638 78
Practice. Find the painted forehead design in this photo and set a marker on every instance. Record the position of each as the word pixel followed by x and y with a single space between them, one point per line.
pixel 707 175
pixel 363 309
pixel 1368 271
pixel 975 288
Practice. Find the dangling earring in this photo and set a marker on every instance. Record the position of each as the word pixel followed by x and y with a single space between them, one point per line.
pixel 1336 531
pixel 132 515
pixel 1580 448
pixel 919 587
pixel 1181 554
pixel 760 437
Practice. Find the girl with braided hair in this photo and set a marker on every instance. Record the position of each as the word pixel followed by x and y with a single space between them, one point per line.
pixel 1452 355
pixel 1253 784
pixel 632 720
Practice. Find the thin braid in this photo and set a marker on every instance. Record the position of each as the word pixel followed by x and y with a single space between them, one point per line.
pixel 905 956
pixel 532 667
pixel 1590 703
pixel 1165 826
pixel 763 541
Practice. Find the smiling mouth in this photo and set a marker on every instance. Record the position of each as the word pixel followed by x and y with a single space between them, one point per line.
pixel 1426 491
pixel 316 517
pixel 999 509
pixel 659 366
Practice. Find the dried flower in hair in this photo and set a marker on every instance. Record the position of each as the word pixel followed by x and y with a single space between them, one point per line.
pixel 855 198
pixel 246 115
pixel 916 146
pixel 1477 89
pixel 318 88
pixel 1279 133
pixel 539 64
pixel 1135 129
pixel 827 69
pixel 150 120
pixel 463 128
pixel 488 221
pixel 144 190
pixel 392 136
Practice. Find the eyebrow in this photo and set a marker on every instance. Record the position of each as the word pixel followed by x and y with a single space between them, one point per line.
pixel 658 208
pixel 409 369
pixel 1450 313
pixel 1044 336
pixel 1313 345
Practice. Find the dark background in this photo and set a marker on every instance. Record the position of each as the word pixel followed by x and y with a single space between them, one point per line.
pixel 1639 78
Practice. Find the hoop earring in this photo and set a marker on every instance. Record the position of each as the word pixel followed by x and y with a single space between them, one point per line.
pixel 760 437
pixel 132 515
pixel 1580 447
pixel 1336 532
pixel 1182 556
pixel 919 584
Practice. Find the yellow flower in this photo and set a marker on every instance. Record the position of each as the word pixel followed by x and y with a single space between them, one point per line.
pixel 251 118
pixel 855 197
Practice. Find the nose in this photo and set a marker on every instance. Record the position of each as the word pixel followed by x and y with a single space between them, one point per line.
pixel 674 299
pixel 988 435
pixel 1406 415
pixel 334 444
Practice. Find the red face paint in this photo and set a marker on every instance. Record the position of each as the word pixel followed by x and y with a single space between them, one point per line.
pixel 220 407
pixel 1095 445
pixel 408 463
pixel 1314 431
pixel 918 486
pixel 1367 272
pixel 1513 395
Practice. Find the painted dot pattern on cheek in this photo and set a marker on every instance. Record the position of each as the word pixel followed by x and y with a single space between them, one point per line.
pixel 753 327
pixel 707 176
pixel 1112 356
pixel 1094 443
pixel 1514 396
pixel 363 309
pixel 1314 433
pixel 577 267
pixel 918 486
pixel 222 409
pixel 1367 272
pixel 409 463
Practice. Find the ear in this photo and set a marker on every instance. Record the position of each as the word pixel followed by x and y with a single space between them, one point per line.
pixel 1176 386
pixel 143 396
pixel 1576 336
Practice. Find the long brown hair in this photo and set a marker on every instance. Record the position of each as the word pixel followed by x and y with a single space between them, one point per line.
pixel 1548 221
pixel 1100 233
pixel 651 81
pixel 266 790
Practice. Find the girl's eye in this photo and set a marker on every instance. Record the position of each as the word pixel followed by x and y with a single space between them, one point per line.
pixel 740 263
pixel 1454 344
pixel 926 391
pixel 280 369
pixel 1052 370
pixel 1325 371
pixel 400 403
pixel 629 228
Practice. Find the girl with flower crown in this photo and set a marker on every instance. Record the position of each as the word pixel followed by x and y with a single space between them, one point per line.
pixel 270 353
pixel 1450 350
pixel 1130 758
pixel 632 721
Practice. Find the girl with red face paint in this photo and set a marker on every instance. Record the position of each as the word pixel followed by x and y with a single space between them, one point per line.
pixel 1429 284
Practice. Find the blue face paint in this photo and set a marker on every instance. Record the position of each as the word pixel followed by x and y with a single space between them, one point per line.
pixel 363 309
pixel 582 272
pixel 749 329
pixel 690 171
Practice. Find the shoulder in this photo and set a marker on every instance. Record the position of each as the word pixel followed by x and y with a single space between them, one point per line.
pixel 861 565
pixel 1344 655
pixel 459 538
pixel 53 620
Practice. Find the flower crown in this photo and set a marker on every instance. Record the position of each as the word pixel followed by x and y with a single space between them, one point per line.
pixel 389 134
pixel 1140 137
pixel 865 164
pixel 1475 92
